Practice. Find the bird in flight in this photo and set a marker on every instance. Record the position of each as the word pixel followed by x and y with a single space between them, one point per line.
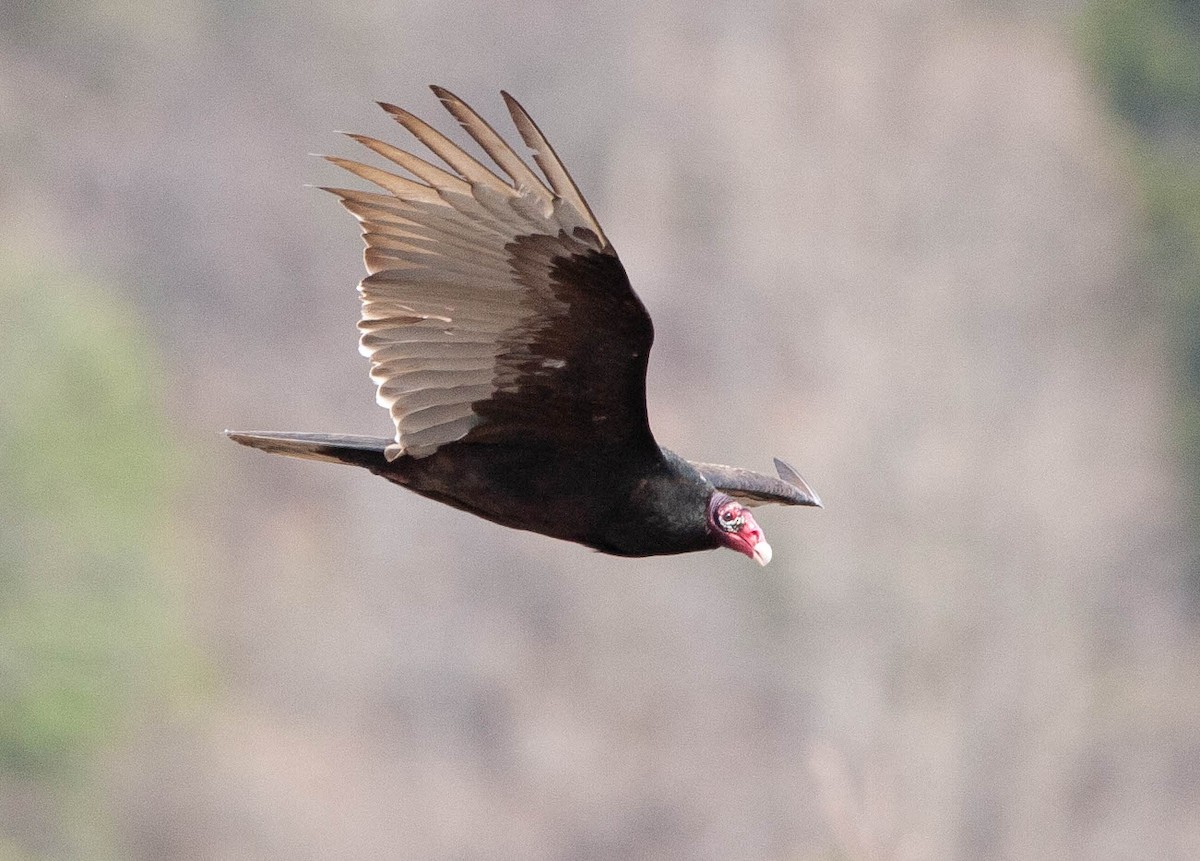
pixel 510 349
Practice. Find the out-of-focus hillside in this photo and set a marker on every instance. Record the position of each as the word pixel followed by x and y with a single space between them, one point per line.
pixel 898 244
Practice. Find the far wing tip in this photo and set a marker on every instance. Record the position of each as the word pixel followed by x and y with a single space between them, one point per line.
pixel 788 473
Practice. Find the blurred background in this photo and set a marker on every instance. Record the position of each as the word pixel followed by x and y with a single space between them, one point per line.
pixel 942 256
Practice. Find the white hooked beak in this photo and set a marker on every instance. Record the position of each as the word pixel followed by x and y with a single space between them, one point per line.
pixel 762 552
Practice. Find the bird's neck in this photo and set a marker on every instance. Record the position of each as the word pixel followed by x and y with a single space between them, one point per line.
pixel 665 512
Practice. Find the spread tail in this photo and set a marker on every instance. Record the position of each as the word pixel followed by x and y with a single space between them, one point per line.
pixel 367 451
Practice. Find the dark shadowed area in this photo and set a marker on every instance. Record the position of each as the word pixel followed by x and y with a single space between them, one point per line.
pixel 910 247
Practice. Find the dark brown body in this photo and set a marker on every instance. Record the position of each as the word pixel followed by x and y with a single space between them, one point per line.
pixel 534 489
pixel 650 505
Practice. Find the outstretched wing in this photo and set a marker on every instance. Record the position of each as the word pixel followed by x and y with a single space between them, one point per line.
pixel 753 488
pixel 495 309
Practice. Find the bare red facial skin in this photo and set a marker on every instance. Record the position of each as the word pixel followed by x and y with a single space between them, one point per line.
pixel 735 527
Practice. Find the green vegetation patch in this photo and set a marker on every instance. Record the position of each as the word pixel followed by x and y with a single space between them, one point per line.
pixel 1146 54
pixel 91 638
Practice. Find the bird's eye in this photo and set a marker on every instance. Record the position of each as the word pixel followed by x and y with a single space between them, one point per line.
pixel 731 520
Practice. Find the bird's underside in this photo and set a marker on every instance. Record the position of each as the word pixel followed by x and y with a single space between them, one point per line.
pixel 516 486
pixel 510 350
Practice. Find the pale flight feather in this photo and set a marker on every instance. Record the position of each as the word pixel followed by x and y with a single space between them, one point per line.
pixel 439 296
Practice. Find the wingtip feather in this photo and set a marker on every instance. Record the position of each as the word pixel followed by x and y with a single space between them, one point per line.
pixel 788 473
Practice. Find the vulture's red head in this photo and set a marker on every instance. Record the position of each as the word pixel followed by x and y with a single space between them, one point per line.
pixel 735 528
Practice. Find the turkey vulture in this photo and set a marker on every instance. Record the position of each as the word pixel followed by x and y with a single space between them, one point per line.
pixel 511 351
